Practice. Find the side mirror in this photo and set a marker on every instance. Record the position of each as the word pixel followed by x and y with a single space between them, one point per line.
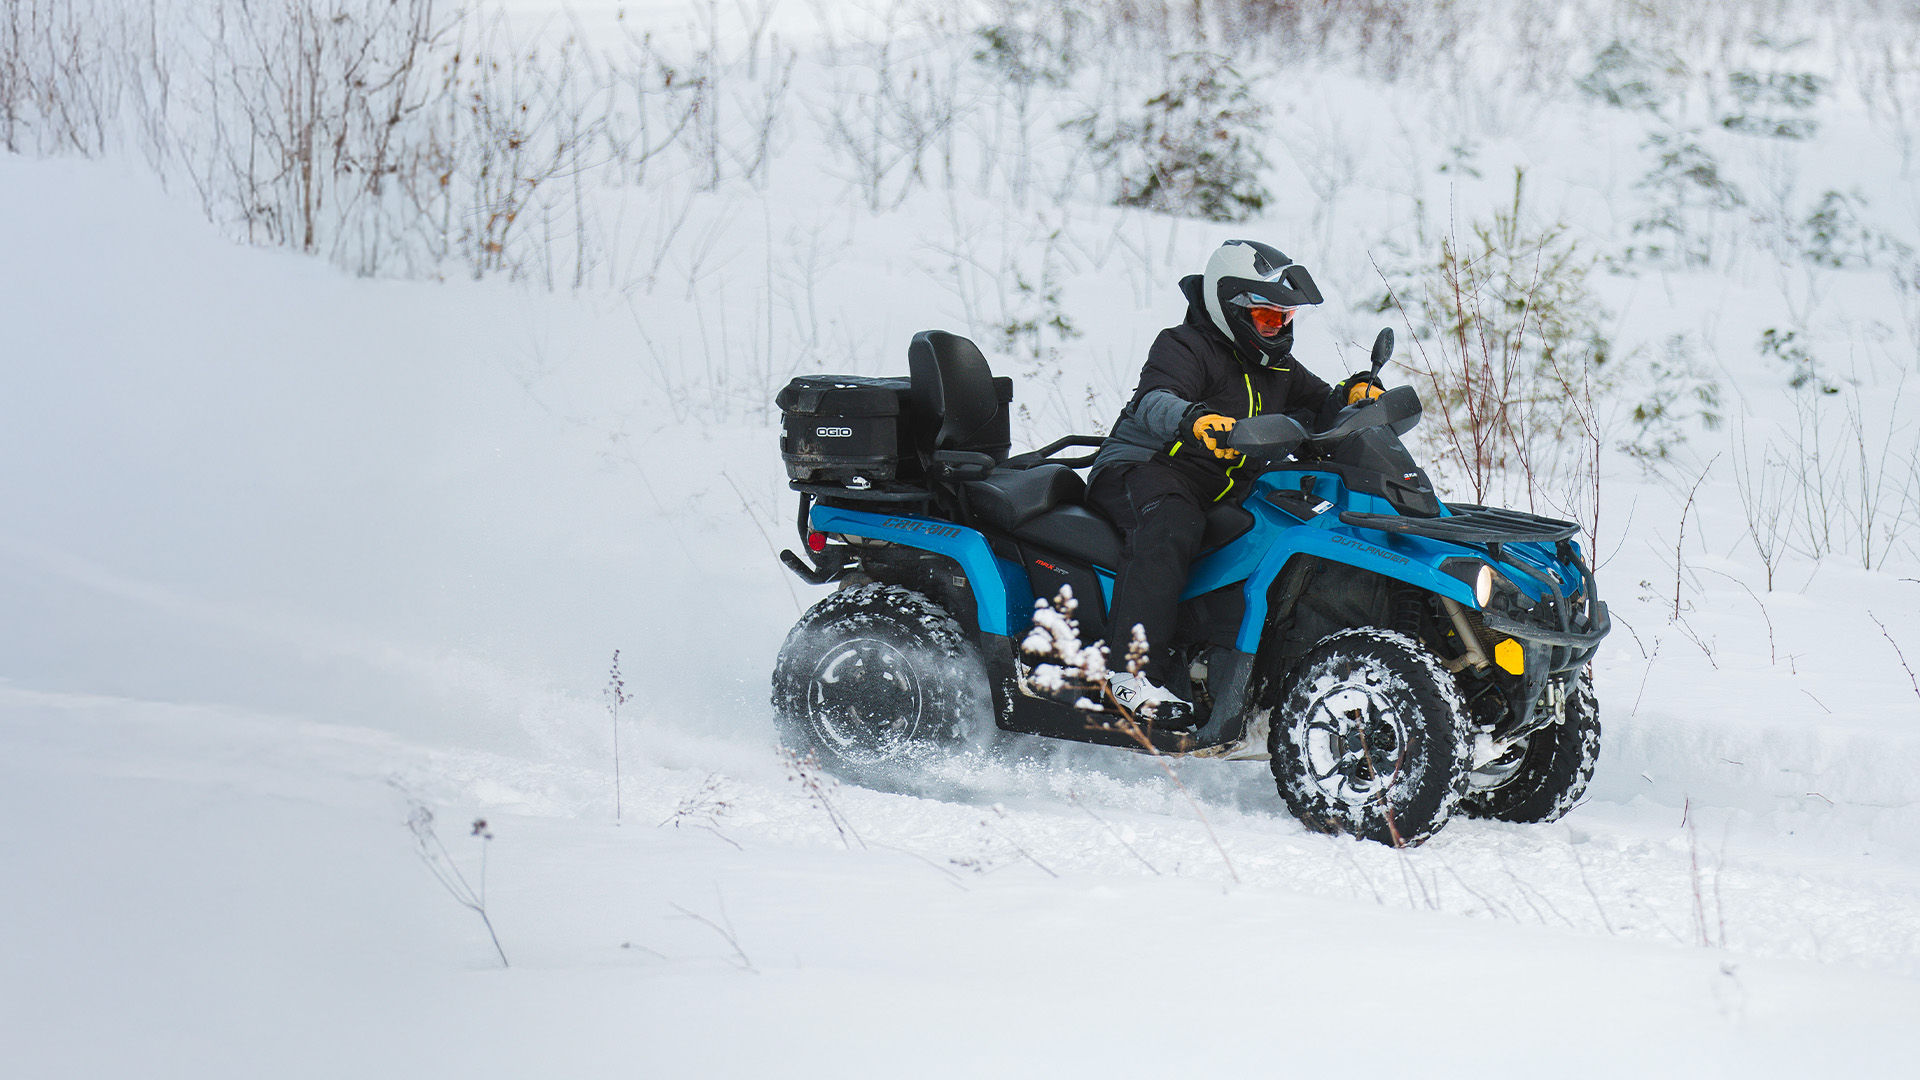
pixel 1382 349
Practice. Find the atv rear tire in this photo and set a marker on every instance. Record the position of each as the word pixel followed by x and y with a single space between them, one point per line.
pixel 1555 764
pixel 878 676
pixel 1371 738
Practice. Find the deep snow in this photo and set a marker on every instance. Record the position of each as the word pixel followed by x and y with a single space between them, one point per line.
pixel 285 555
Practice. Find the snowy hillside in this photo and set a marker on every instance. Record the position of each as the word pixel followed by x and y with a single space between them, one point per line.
pixel 314 560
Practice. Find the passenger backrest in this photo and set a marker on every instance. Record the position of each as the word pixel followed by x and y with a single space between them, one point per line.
pixel 956 396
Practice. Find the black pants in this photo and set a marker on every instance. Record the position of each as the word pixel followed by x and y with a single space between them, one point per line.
pixel 1161 520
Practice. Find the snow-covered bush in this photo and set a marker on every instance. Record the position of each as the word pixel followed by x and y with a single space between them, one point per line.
pixel 1192 149
pixel 1628 75
pixel 1773 104
pixel 1061 664
pixel 1678 394
pixel 1837 235
pixel 1687 194
pixel 1803 369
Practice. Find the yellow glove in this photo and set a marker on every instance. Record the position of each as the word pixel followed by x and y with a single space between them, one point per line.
pixel 1212 430
pixel 1362 391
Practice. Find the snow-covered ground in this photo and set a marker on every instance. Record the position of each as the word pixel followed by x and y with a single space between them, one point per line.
pixel 287 557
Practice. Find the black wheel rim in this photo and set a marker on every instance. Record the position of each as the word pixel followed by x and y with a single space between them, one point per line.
pixel 1498 773
pixel 1354 740
pixel 865 701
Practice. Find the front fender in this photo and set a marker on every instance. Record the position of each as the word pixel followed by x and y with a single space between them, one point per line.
pixel 994 602
pixel 1404 561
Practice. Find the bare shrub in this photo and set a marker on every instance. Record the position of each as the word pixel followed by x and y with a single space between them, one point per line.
pixel 1027 47
pixel 439 862
pixel 390 136
pixel 1509 350
pixel 521 126
pixel 892 102
pixel 1764 484
pixel 1841 481
pixel 616 694
pixel 1680 538
pixel 1900 654
pixel 301 141
pixel 703 810
pixel 65 67
pixel 1883 500
pixel 820 790
pixel 1008 278
pixel 13 77
pixel 1887 68
pixel 1386 38
pixel 722 926
pixel 660 106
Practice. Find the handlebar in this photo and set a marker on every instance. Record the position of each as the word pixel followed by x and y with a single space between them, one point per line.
pixel 1274 435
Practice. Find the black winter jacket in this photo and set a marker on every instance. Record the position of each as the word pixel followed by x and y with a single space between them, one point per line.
pixel 1193 369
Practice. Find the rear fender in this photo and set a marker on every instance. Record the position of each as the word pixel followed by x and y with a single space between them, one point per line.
pixel 1001 595
pixel 1421 571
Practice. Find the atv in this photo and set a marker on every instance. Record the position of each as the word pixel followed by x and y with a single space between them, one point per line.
pixel 1397 659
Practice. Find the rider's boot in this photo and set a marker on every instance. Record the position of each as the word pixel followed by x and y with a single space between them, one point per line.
pixel 1142 697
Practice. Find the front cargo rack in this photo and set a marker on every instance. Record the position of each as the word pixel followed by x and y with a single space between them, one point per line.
pixel 1469 524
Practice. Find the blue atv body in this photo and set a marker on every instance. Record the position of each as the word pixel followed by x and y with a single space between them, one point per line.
pixel 1396 658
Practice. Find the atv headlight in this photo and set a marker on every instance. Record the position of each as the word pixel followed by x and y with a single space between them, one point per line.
pixel 1484 580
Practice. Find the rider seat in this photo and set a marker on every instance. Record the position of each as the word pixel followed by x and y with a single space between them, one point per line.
pixel 1009 498
pixel 1040 505
pixel 957 399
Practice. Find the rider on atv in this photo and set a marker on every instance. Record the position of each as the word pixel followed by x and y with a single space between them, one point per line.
pixel 1167 460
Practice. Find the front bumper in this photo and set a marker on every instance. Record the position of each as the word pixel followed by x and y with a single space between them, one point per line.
pixel 1577 640
pixel 1559 633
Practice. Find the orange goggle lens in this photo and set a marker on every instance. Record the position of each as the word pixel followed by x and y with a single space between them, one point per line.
pixel 1270 320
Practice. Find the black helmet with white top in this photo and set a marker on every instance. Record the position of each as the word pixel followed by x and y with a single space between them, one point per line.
pixel 1252 291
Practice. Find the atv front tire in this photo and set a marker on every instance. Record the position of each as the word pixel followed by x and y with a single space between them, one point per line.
pixel 878 676
pixel 1371 739
pixel 1546 774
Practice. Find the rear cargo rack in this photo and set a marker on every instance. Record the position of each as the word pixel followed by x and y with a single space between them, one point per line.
pixel 877 494
pixel 1469 524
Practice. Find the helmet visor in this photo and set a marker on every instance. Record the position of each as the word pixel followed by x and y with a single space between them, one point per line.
pixel 1268 318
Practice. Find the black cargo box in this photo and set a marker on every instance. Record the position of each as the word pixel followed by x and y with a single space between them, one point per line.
pixel 836 428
